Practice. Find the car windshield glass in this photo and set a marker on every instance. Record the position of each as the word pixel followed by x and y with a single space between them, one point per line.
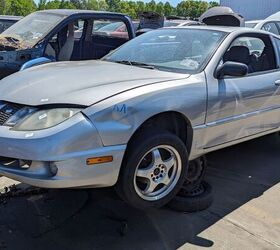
pixel 175 50
pixel 31 29
pixel 250 25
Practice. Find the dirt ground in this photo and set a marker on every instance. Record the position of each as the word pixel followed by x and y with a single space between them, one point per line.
pixel 245 214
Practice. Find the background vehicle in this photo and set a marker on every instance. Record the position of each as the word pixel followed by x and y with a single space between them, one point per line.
pixel 222 16
pixel 62 35
pixel 7 21
pixel 173 21
pixel 270 24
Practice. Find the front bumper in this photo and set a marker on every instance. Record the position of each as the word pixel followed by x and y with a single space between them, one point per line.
pixel 65 148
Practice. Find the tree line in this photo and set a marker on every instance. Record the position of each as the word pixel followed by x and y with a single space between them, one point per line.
pixel 186 8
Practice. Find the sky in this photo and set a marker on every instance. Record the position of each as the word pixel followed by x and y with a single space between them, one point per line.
pixel 172 2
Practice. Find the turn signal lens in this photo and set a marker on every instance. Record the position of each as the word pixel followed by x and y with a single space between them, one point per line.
pixel 99 160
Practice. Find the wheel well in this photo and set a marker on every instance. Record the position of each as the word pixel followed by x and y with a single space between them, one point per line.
pixel 174 122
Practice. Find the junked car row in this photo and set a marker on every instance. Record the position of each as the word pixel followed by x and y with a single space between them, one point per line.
pixel 138 116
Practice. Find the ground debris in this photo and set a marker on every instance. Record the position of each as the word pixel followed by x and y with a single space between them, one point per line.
pixel 14 191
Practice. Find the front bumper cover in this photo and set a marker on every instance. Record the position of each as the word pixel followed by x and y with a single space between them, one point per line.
pixel 66 146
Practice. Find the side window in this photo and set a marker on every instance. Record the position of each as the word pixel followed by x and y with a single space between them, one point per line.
pixel 271 27
pixel 110 28
pixel 256 52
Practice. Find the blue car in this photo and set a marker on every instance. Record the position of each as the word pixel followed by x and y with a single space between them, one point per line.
pixel 59 35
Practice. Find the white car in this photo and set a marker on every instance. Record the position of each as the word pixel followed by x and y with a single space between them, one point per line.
pixel 270 24
pixel 267 25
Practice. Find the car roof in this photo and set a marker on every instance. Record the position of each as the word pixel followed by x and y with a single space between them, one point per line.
pixel 69 12
pixel 254 21
pixel 6 17
pixel 226 29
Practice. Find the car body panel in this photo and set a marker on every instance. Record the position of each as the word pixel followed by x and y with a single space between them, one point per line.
pixel 93 88
pixel 119 117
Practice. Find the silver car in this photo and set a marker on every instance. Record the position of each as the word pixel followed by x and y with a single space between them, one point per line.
pixel 137 117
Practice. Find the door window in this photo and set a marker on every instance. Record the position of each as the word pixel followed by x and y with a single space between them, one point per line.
pixel 110 28
pixel 256 52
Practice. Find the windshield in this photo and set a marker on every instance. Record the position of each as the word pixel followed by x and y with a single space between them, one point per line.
pixel 250 25
pixel 175 50
pixel 31 29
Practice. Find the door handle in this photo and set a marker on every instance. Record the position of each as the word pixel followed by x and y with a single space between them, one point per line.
pixel 277 82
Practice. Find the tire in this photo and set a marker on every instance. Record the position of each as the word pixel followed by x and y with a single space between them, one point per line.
pixel 195 202
pixel 136 180
pixel 196 174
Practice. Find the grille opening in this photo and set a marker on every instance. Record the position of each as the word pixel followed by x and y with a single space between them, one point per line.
pixel 7 110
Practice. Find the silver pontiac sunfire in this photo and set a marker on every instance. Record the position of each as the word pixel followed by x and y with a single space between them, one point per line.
pixel 136 117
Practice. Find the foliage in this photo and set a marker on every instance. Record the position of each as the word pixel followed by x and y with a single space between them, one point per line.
pixel 186 8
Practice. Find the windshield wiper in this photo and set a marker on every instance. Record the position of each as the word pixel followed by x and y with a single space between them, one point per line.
pixel 138 64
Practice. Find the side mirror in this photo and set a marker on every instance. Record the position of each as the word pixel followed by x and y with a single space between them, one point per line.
pixel 231 69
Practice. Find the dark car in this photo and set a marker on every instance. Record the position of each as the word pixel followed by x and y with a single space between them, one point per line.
pixel 7 21
pixel 59 35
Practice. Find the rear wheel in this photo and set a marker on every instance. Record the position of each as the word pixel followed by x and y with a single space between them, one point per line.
pixel 153 170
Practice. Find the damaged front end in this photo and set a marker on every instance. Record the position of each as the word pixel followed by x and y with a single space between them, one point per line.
pixel 13 55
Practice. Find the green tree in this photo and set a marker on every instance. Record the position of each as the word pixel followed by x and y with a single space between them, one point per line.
pixel 168 9
pixel 4 6
pixel 79 4
pixel 92 5
pixel 140 6
pixel 55 4
pixel 21 7
pixel 213 4
pixel 151 6
pixel 114 5
pixel 42 5
pixel 66 5
pixel 102 5
pixel 160 8
pixel 183 9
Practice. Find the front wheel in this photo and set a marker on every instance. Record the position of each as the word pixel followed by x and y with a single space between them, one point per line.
pixel 153 170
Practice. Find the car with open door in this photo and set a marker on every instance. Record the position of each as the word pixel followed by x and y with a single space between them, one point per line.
pixel 60 35
pixel 137 117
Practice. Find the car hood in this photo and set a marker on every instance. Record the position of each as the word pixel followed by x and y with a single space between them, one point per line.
pixel 81 83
